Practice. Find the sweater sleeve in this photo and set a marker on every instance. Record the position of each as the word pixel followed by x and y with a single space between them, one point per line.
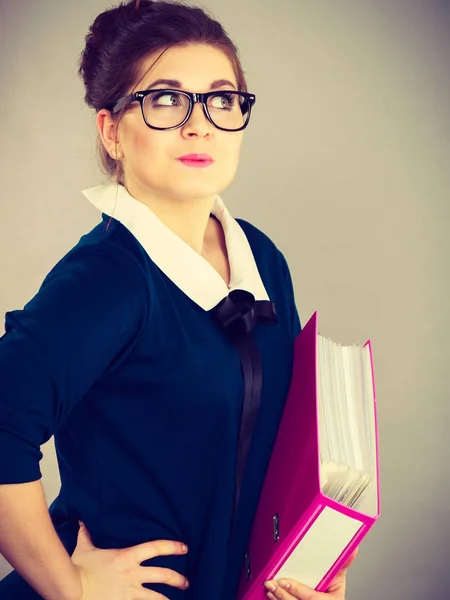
pixel 289 288
pixel 85 318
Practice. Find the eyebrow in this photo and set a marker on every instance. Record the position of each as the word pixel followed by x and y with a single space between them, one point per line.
pixel 174 83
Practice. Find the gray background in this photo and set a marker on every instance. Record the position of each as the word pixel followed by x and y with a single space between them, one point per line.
pixel 344 166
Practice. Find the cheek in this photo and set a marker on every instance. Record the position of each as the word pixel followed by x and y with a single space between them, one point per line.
pixel 237 144
pixel 143 144
pixel 140 142
pixel 148 155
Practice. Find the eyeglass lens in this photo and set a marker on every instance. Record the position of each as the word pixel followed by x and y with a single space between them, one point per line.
pixel 169 109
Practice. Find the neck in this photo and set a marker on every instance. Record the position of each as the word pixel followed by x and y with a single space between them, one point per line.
pixel 188 219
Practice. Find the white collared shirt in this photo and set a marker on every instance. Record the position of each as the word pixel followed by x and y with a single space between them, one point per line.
pixel 185 267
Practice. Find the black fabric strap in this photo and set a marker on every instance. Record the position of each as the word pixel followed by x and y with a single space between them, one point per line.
pixel 238 313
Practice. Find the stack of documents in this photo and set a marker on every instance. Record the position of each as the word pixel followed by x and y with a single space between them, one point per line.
pixel 321 492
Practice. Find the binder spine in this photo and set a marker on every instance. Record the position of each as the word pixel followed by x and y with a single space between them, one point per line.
pixel 340 562
pixel 285 547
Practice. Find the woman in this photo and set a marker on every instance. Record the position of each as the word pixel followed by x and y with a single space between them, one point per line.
pixel 150 339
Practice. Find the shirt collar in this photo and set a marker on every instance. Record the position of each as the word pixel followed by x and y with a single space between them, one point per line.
pixel 188 270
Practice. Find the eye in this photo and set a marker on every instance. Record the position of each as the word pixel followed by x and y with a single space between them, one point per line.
pixel 223 101
pixel 166 99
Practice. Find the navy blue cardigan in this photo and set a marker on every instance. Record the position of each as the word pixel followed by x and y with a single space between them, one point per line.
pixel 142 392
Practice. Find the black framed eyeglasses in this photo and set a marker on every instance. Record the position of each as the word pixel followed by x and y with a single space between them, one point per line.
pixel 166 109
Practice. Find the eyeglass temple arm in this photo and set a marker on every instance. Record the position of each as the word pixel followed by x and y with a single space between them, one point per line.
pixel 119 104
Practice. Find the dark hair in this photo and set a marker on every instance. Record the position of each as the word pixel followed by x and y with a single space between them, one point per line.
pixel 121 38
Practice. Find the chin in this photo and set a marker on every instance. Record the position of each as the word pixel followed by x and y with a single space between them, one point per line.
pixel 196 191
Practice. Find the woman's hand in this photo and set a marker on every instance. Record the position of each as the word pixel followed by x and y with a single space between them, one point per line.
pixel 117 574
pixel 296 590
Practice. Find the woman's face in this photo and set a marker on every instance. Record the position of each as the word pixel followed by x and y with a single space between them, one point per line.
pixel 150 157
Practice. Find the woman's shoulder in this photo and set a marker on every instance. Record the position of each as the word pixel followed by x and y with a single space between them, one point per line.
pixel 261 244
pixel 106 252
pixel 254 234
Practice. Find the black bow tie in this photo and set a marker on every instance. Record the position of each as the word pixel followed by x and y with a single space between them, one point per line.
pixel 238 313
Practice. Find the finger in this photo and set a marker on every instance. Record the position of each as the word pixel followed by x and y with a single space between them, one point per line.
pixel 280 594
pixel 148 550
pixel 339 583
pixel 340 580
pixel 84 537
pixel 145 594
pixel 351 558
pixel 288 589
pixel 162 575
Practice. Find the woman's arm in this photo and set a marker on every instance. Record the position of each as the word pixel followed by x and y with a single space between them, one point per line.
pixel 31 545
pixel 87 314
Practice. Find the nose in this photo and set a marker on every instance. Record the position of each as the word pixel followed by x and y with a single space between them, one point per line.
pixel 198 122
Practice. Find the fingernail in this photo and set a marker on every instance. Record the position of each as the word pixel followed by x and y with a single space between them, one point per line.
pixel 284 584
pixel 270 586
pixel 184 547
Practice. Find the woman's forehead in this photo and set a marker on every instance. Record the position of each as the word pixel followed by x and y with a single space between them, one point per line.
pixel 195 66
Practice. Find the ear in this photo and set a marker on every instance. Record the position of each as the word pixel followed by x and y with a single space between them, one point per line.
pixel 107 129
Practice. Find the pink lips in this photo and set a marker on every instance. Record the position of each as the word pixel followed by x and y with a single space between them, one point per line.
pixel 196 160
